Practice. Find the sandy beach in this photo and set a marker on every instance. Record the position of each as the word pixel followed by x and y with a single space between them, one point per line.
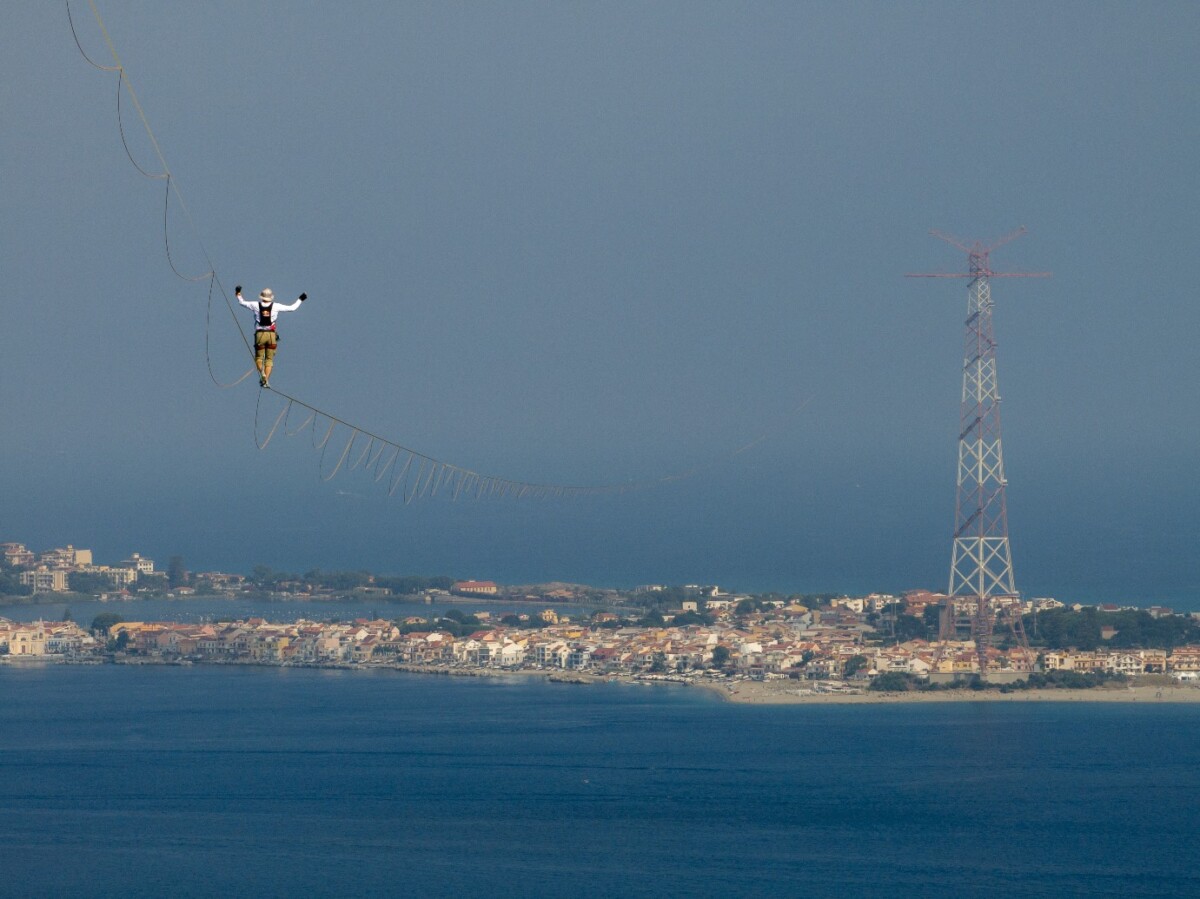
pixel 794 693
pixel 791 692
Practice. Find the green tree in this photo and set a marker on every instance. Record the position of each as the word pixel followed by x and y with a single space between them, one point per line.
pixel 88 582
pixel 1072 680
pixel 1066 628
pixel 176 573
pixel 891 682
pixel 103 622
pixel 854 664
pixel 336 580
pixel 653 618
pixel 410 585
pixel 265 578
pixel 910 627
pixel 666 598
pixel 10 584
pixel 151 583
pixel 1138 629
pixel 467 622
pixel 720 656
pixel 813 600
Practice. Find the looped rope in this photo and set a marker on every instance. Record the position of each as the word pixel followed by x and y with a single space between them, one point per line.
pixel 340 461
pixel 80 46
pixel 304 424
pixel 167 240
pixel 125 143
pixel 278 419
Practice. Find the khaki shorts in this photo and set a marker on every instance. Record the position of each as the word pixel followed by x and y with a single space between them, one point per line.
pixel 265 343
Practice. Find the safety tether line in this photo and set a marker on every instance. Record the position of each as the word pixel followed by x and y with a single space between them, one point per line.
pixel 304 424
pixel 340 461
pixel 282 414
pixel 402 476
pixel 324 440
pixel 431 474
pixel 381 473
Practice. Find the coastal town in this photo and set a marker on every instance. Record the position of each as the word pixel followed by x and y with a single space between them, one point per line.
pixel 684 634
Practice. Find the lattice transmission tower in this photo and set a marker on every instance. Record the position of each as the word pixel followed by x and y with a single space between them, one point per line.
pixel 982 589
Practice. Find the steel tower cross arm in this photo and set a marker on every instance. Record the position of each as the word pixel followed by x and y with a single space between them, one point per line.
pixel 979 251
pixel 954 241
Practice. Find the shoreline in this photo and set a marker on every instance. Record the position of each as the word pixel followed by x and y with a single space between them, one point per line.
pixel 772 692
pixel 788 693
pixel 780 693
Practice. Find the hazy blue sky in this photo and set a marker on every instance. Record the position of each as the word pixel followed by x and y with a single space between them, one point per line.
pixel 591 243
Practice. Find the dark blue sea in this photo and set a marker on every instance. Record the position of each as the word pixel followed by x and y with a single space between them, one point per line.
pixel 207 781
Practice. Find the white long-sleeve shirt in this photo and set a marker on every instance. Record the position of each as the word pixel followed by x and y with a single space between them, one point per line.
pixel 275 308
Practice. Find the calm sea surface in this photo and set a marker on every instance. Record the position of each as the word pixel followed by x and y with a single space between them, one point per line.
pixel 207 781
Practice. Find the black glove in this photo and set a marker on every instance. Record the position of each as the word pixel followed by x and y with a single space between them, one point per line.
pixel 237 290
pixel 303 297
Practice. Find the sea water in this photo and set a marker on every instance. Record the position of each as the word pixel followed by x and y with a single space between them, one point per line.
pixel 235 781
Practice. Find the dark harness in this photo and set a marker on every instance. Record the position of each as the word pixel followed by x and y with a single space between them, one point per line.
pixel 264 318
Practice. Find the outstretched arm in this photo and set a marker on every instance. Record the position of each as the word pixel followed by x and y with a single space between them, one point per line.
pixel 237 293
pixel 292 307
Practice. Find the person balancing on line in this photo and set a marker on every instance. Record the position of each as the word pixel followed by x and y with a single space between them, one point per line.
pixel 266 339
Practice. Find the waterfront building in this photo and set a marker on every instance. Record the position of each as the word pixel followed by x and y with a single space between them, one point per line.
pixel 66 557
pixel 119 577
pixel 139 564
pixel 29 640
pixel 220 580
pixel 1184 659
pixel 478 588
pixel 16 555
pixel 45 580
